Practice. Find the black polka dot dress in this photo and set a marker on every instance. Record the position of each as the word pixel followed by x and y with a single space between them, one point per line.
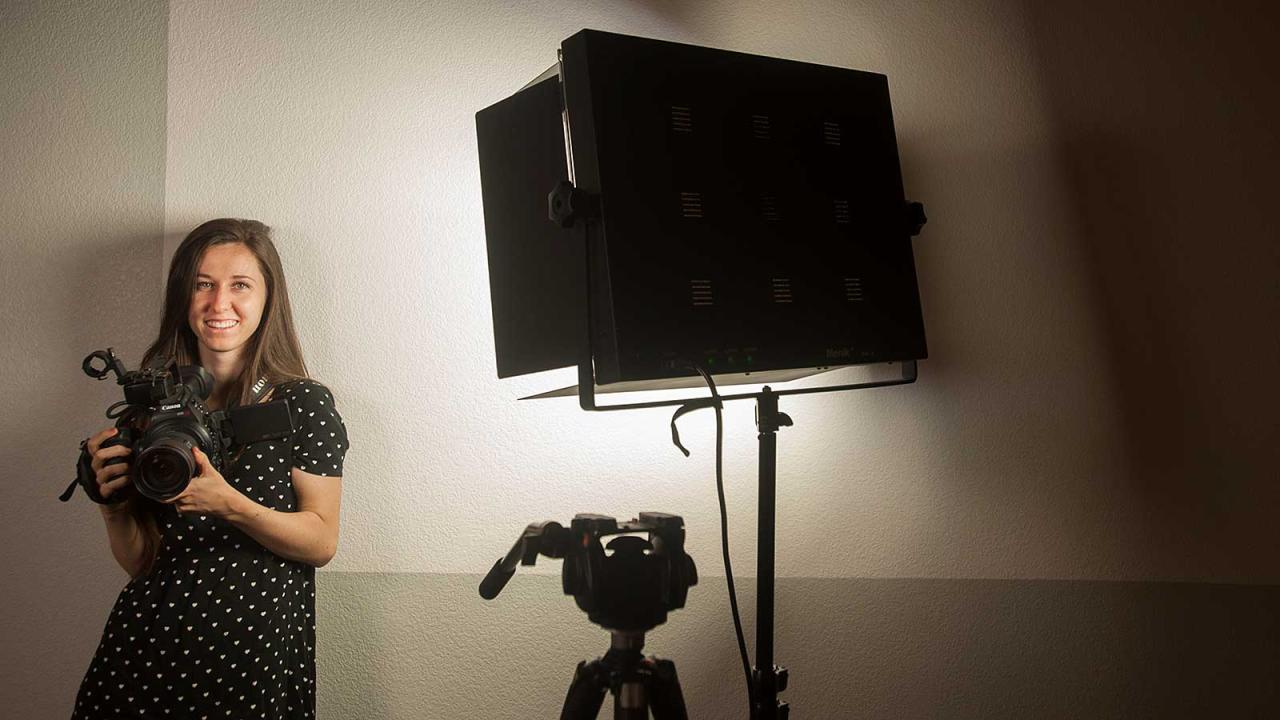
pixel 221 627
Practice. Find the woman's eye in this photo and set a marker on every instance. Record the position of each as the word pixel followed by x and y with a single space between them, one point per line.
pixel 204 285
pixel 241 285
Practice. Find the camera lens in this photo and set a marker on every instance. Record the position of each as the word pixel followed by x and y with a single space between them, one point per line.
pixel 165 468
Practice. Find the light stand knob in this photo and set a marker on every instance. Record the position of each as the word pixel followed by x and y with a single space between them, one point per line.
pixel 566 205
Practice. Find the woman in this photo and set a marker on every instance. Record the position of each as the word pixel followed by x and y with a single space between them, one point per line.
pixel 218 619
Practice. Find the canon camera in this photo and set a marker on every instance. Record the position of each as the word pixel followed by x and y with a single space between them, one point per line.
pixel 163 418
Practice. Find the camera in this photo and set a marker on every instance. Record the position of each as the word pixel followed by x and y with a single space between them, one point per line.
pixel 163 418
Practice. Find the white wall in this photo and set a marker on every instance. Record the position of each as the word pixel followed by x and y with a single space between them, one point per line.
pixel 1094 181
pixel 351 130
pixel 349 127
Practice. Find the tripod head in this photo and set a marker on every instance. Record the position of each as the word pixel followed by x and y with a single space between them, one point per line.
pixel 628 585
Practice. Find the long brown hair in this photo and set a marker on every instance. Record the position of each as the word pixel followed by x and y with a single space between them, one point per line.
pixel 274 352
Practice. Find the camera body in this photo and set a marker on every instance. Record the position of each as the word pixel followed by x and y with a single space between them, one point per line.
pixel 164 418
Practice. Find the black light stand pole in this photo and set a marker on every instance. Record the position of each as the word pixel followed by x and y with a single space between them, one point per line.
pixel 768 679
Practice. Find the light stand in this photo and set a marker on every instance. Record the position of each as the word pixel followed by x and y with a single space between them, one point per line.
pixel 767 679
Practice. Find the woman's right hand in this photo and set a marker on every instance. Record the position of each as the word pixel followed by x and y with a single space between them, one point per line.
pixel 110 476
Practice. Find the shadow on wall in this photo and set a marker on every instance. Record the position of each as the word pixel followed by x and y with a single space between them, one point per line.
pixel 107 295
pixel 102 292
pixel 1167 150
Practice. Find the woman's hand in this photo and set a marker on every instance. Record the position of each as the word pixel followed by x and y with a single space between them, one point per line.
pixel 115 475
pixel 208 493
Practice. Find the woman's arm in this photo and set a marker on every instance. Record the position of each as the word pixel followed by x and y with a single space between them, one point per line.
pixel 133 543
pixel 309 535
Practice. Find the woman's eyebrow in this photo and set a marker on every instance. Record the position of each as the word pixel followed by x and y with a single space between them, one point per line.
pixel 233 277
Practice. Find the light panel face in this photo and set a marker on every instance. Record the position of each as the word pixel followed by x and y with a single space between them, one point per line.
pixel 753 212
pixel 751 216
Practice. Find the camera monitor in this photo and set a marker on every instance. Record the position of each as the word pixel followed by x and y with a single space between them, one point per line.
pixel 742 212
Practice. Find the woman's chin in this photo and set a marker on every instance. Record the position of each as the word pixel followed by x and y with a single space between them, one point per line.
pixel 221 344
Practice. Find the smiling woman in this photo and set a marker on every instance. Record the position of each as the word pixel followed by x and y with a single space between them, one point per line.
pixel 219 616
pixel 226 306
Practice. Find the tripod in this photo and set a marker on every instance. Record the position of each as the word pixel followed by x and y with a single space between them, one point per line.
pixel 631 584
pixel 636 682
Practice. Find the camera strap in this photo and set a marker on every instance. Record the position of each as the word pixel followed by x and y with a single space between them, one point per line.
pixel 258 389
pixel 85 478
pixel 83 469
pixel 256 421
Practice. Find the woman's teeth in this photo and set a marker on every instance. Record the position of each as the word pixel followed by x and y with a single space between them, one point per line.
pixel 221 324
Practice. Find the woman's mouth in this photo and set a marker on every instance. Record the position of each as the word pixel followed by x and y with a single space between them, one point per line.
pixel 221 324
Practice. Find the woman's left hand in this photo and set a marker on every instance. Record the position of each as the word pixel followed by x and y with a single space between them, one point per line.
pixel 208 493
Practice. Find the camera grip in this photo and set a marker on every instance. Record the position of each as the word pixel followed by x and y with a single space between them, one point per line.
pixel 87 478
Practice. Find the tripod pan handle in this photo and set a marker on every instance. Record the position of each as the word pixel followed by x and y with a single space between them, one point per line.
pixel 496 579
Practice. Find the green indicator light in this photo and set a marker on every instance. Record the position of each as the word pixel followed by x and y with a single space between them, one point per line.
pixel 748 358
pixel 711 361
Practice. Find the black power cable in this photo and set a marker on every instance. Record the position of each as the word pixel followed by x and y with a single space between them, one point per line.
pixel 716 403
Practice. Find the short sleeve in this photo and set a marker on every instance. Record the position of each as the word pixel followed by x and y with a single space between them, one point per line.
pixel 319 437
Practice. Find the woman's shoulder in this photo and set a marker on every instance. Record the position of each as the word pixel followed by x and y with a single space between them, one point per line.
pixel 294 385
pixel 319 434
pixel 304 392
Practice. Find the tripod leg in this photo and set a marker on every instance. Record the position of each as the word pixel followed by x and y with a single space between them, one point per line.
pixel 665 697
pixel 586 692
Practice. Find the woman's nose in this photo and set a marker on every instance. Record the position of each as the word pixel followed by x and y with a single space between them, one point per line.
pixel 221 299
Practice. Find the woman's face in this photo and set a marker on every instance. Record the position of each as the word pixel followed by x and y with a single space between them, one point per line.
pixel 227 301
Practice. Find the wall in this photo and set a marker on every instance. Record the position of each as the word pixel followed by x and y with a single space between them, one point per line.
pixel 82 138
pixel 1067 514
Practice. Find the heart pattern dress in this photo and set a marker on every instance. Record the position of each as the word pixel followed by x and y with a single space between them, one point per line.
pixel 221 627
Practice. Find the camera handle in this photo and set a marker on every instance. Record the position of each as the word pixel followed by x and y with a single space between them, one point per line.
pixel 110 364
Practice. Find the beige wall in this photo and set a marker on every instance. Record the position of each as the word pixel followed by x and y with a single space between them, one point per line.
pixel 1098 279
pixel 82 138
